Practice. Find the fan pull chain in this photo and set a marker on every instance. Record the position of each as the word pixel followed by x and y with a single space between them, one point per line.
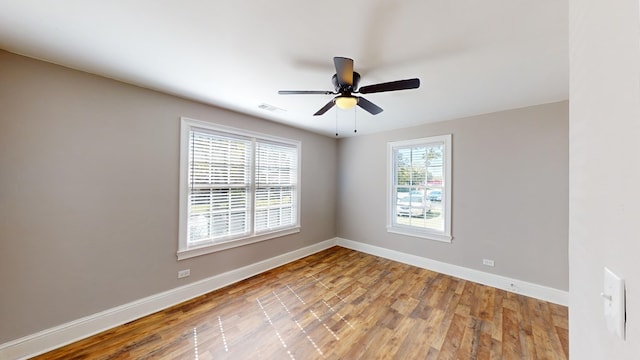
pixel 336 111
pixel 355 124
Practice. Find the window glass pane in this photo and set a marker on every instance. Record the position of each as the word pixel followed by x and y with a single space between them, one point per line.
pixel 419 189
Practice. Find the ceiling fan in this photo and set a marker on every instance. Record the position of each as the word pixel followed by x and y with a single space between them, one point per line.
pixel 345 81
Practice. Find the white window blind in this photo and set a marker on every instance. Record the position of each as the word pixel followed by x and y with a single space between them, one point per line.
pixel 219 186
pixel 237 187
pixel 276 188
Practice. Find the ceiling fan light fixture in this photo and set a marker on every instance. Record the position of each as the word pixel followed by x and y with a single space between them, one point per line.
pixel 346 102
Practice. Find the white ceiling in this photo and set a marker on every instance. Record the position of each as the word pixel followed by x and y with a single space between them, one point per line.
pixel 472 57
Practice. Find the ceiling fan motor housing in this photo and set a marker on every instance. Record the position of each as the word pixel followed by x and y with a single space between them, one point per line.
pixel 346 89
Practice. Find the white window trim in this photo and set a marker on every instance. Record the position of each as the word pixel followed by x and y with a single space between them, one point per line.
pixel 184 252
pixel 444 236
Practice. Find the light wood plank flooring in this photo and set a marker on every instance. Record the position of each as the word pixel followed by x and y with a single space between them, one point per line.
pixel 341 304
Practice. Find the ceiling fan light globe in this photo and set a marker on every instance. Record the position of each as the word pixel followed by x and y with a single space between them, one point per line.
pixel 346 102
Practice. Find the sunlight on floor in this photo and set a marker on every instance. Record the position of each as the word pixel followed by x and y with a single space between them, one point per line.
pixel 195 343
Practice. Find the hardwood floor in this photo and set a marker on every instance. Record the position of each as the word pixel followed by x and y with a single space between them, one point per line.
pixel 341 304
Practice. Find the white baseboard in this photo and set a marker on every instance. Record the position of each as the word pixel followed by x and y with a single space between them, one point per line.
pixel 501 282
pixel 67 333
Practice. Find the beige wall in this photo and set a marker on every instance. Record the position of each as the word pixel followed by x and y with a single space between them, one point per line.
pixel 605 144
pixel 510 193
pixel 89 194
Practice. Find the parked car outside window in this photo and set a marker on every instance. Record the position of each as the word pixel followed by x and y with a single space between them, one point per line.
pixel 435 195
pixel 414 205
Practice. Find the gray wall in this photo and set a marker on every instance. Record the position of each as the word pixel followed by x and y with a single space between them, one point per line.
pixel 89 194
pixel 605 144
pixel 510 193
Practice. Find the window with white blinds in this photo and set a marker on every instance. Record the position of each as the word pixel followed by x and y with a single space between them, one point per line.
pixel 276 191
pixel 420 187
pixel 236 187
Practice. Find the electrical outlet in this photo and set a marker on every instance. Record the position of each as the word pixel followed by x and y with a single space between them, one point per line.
pixel 487 262
pixel 184 273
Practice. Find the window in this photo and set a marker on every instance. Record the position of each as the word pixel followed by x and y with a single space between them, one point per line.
pixel 420 187
pixel 236 187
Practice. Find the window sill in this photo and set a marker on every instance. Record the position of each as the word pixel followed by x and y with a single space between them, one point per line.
pixel 219 246
pixel 420 234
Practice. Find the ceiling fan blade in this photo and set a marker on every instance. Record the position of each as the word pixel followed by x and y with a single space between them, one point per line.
pixel 391 86
pixel 306 92
pixel 325 108
pixel 344 70
pixel 369 106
